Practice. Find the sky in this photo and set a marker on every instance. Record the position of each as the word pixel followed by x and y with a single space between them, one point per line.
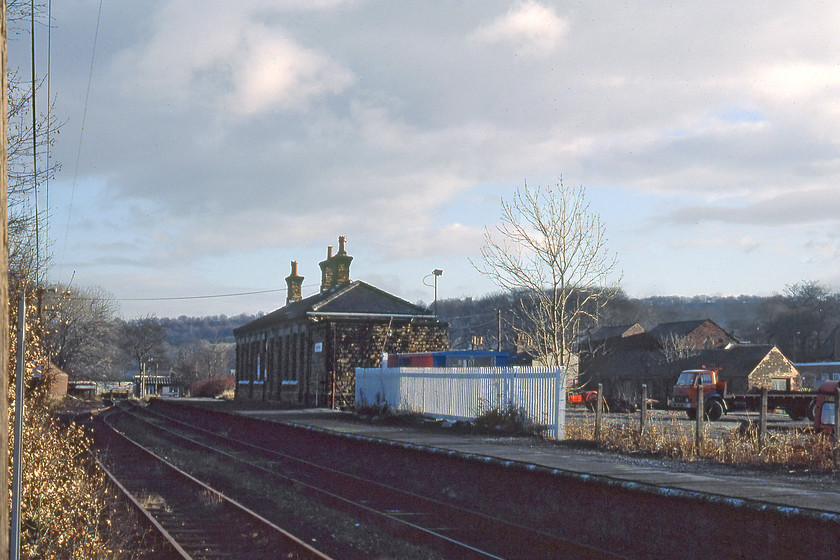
pixel 207 144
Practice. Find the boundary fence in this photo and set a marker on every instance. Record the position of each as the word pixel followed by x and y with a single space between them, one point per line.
pixel 464 393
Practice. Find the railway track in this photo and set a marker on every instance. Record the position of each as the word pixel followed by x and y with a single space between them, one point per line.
pixel 196 521
pixel 452 531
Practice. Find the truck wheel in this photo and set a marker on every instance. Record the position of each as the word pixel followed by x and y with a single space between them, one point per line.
pixel 691 413
pixel 795 414
pixel 714 410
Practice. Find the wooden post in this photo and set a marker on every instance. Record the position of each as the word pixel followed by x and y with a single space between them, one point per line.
pixel 4 294
pixel 698 428
pixel 643 413
pixel 836 437
pixel 598 410
pixel 762 419
pixel 499 330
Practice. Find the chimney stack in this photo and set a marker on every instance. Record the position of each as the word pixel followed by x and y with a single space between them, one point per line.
pixel 335 270
pixel 294 284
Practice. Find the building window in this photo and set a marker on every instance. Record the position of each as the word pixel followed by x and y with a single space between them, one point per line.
pixel 779 384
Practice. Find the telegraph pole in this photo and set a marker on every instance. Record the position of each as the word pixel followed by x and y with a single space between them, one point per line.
pixel 4 296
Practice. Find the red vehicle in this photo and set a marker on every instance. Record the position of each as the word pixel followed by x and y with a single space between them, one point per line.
pixel 717 401
pixel 824 407
pixel 589 399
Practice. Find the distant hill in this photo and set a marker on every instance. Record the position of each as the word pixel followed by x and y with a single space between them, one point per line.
pixel 214 328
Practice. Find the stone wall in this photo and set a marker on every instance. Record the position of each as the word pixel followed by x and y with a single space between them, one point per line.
pixel 775 366
pixel 361 344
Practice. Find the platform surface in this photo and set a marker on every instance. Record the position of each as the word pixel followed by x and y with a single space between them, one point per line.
pixel 812 495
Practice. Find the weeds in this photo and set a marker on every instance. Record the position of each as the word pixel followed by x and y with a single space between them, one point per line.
pixel 795 449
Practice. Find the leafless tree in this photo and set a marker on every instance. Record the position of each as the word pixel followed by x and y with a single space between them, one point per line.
pixel 143 340
pixel 676 348
pixel 80 334
pixel 202 359
pixel 551 250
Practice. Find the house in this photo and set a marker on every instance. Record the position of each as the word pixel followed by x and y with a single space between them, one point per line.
pixel 605 339
pixel 743 367
pixel 306 352
pixel 701 334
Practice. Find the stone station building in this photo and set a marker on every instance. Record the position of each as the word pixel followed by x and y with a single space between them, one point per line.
pixel 306 352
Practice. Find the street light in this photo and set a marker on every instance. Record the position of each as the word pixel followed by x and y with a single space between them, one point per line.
pixel 436 272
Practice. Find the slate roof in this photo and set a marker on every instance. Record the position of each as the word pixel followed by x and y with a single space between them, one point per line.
pixel 678 329
pixel 633 364
pixel 735 361
pixel 357 298
pixel 600 334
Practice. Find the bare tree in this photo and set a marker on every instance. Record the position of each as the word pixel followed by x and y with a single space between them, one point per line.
pixel 676 348
pixel 202 359
pixel 80 336
pixel 143 340
pixel 551 250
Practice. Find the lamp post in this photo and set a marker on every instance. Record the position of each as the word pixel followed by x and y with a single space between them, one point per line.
pixel 436 272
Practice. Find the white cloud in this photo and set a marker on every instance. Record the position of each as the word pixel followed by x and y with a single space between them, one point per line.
pixel 225 58
pixel 528 25
pixel 277 74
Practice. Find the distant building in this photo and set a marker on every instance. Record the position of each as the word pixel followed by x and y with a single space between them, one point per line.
pixel 743 367
pixel 156 386
pixel 702 334
pixel 306 352
pixel 815 374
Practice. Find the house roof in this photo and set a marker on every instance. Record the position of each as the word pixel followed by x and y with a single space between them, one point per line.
pixel 632 364
pixel 738 360
pixel 600 334
pixel 357 298
pixel 677 328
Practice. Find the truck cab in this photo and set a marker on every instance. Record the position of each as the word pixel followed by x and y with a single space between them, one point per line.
pixel 684 396
pixel 824 408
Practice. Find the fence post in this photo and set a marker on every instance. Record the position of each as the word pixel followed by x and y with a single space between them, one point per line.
pixel 698 429
pixel 598 409
pixel 836 437
pixel 762 419
pixel 558 394
pixel 643 413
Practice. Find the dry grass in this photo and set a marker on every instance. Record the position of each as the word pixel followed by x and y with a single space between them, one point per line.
pixel 794 449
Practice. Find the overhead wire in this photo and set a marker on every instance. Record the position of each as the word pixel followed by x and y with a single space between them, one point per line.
pixel 34 144
pixel 81 136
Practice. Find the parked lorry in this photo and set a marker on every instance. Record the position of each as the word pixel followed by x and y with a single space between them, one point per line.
pixel 824 407
pixel 717 401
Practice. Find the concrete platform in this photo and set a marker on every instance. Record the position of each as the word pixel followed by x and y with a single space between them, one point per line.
pixel 814 496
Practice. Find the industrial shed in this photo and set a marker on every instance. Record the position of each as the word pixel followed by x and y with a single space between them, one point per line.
pixel 306 352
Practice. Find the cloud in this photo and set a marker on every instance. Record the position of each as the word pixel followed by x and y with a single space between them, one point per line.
pixel 527 25
pixel 225 59
pixel 797 208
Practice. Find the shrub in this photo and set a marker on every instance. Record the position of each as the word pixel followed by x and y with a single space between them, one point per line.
pixel 510 419
pixel 212 387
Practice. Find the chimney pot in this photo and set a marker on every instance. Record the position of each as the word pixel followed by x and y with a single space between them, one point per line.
pixel 294 283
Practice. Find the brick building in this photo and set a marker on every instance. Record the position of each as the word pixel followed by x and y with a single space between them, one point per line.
pixel 306 352
pixel 702 334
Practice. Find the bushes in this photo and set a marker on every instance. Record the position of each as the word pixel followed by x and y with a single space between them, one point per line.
pixel 212 387
pixel 510 419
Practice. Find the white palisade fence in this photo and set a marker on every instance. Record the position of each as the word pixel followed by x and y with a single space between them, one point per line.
pixel 455 393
